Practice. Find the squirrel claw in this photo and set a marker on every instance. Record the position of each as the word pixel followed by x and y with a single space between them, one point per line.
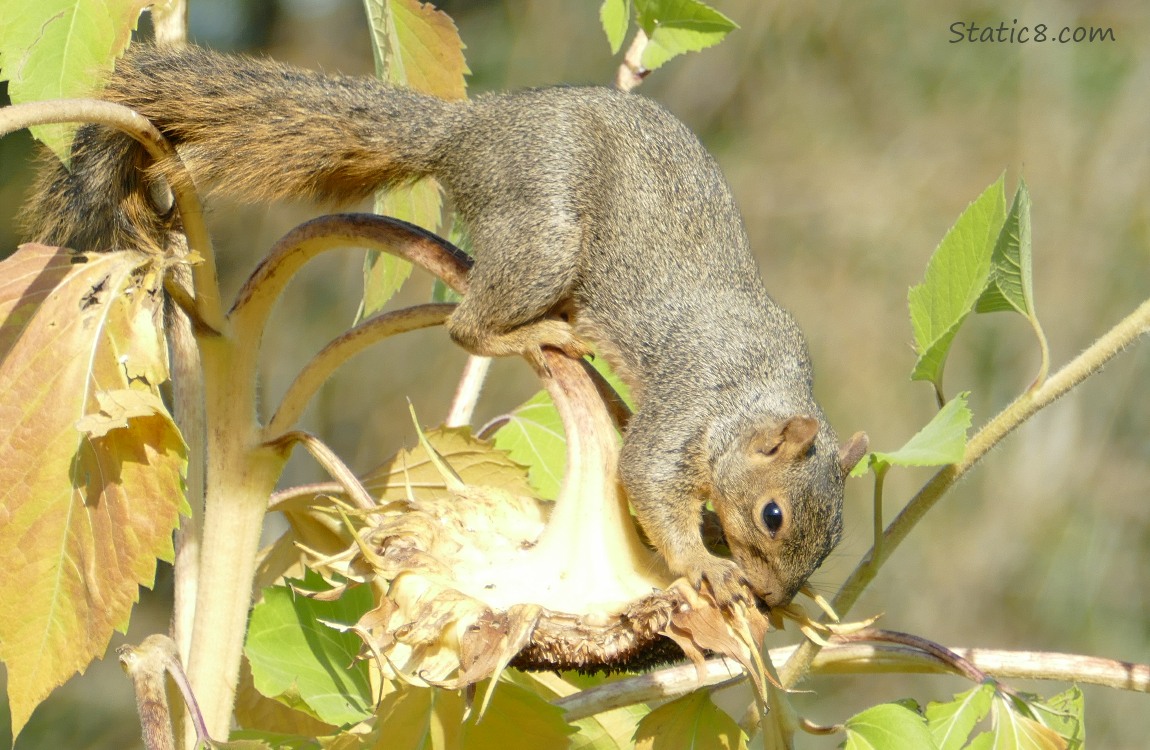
pixel 723 581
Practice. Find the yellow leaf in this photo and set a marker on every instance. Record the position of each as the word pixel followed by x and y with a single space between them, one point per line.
pixel 83 514
pixel 424 50
pixel 476 462
pixel 692 722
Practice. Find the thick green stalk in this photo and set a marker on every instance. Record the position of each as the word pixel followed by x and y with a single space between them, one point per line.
pixel 241 474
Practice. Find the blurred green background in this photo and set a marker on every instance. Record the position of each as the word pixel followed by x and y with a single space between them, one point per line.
pixel 853 135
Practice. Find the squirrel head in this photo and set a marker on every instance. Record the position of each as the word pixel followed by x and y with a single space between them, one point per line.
pixel 778 492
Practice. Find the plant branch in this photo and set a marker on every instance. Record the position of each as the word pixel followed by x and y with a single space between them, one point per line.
pixel 631 71
pixel 955 662
pixel 130 122
pixel 263 288
pixel 331 463
pixel 467 393
pixel 1021 409
pixel 367 231
pixel 147 665
pixel 316 372
pixel 170 21
pixel 858 658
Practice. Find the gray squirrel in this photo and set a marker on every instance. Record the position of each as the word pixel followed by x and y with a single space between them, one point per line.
pixel 595 216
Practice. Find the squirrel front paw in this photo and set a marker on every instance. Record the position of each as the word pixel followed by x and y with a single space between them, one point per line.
pixel 722 579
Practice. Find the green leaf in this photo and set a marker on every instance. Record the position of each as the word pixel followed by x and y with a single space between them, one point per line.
pixel 415 45
pixel 615 16
pixel 253 743
pixel 304 663
pixel 533 436
pixel 677 26
pixel 888 727
pixel 1010 286
pixel 1065 713
pixel 1015 731
pixel 951 723
pixel 692 722
pixel 384 273
pixel 58 49
pixel 955 279
pixel 942 441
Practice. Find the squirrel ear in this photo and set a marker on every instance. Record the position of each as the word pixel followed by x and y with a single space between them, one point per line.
pixel 852 451
pixel 788 439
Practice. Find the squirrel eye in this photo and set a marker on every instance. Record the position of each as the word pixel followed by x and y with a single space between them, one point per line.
pixel 772 517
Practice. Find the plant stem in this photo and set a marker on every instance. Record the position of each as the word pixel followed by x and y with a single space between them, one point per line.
pixel 332 464
pixel 467 393
pixel 259 294
pixel 879 480
pixel 343 348
pixel 130 122
pixel 1022 408
pixel 241 474
pixel 858 658
pixel 631 71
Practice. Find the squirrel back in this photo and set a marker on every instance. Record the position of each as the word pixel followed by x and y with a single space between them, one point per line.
pixel 594 215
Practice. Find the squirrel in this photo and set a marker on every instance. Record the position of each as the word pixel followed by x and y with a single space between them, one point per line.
pixel 595 216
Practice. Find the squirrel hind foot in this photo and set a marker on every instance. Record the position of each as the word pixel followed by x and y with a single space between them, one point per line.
pixel 528 341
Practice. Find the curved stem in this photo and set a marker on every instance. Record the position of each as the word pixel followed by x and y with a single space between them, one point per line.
pixel 263 288
pixel 941 653
pixel 131 123
pixel 343 348
pixel 366 231
pixel 330 462
pixel 859 658
pixel 1021 409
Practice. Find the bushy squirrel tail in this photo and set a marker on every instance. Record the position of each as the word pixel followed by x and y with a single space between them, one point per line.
pixel 253 129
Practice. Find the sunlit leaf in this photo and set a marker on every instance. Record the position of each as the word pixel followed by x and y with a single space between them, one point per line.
pixel 1014 731
pixel 942 441
pixel 56 49
pixel 517 719
pixel 955 279
pixel 692 722
pixel 951 723
pixel 674 27
pixel 418 46
pixel 476 461
pixel 305 663
pixel 533 436
pixel 412 718
pixel 87 503
pixel 258 713
pixel 615 15
pixel 888 726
